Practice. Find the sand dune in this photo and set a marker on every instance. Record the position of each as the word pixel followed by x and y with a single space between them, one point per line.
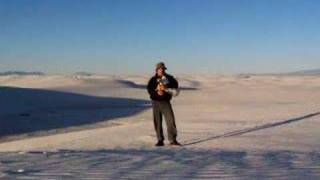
pixel 231 126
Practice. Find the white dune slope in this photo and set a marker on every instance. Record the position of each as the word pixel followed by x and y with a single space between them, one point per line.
pixel 100 127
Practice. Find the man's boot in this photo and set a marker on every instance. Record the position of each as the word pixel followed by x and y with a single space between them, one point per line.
pixel 175 143
pixel 160 143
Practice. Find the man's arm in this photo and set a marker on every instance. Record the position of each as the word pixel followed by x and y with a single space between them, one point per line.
pixel 151 88
pixel 175 83
pixel 174 87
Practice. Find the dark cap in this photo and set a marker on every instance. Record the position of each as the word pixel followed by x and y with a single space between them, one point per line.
pixel 161 65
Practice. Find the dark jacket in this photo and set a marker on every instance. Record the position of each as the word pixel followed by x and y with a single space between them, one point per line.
pixel 153 83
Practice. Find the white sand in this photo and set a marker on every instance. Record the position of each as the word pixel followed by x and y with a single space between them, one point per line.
pixel 262 126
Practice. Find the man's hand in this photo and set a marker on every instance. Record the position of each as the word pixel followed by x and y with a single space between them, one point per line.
pixel 160 92
pixel 162 88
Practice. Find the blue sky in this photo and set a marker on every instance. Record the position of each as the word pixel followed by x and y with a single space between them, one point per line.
pixel 130 36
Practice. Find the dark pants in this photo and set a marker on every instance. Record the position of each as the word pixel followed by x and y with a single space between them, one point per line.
pixel 164 108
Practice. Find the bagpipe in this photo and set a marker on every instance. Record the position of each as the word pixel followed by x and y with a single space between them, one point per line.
pixel 163 83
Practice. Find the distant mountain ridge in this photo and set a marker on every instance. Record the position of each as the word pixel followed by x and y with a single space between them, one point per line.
pixel 7 73
pixel 306 72
pixel 83 73
pixel 310 72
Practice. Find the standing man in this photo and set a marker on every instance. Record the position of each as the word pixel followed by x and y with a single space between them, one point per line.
pixel 161 88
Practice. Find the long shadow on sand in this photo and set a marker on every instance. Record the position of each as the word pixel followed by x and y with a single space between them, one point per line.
pixel 161 164
pixel 26 110
pixel 140 86
pixel 256 128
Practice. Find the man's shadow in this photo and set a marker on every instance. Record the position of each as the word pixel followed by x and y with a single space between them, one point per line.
pixel 253 129
pixel 26 110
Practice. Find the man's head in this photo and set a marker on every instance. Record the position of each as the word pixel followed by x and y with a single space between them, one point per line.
pixel 161 69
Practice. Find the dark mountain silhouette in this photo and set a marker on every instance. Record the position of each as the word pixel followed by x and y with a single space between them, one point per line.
pixel 7 73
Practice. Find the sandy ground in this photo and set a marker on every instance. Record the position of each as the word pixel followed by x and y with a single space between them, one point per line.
pixel 100 127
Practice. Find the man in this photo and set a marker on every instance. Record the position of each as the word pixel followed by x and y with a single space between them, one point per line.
pixel 161 88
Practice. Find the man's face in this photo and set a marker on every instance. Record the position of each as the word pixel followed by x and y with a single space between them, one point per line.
pixel 160 72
